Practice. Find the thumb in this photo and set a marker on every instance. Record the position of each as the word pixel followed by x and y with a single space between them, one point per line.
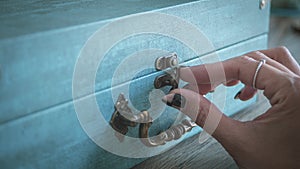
pixel 226 130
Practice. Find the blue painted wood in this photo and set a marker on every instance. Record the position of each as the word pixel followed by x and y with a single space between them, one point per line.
pixel 53 138
pixel 38 50
pixel 26 17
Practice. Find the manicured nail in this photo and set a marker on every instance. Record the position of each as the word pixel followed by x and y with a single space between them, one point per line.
pixel 237 96
pixel 177 100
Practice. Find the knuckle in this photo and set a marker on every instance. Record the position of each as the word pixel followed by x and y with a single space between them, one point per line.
pixel 283 48
pixel 257 53
pixel 254 53
pixel 293 86
pixel 290 81
pixel 284 51
pixel 245 59
pixel 297 82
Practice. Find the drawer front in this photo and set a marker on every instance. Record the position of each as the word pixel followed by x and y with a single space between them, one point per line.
pixel 54 138
pixel 42 125
pixel 40 66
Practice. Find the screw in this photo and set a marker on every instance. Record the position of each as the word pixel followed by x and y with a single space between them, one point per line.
pixel 173 62
pixel 262 4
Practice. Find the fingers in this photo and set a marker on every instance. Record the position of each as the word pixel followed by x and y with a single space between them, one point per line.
pixel 231 82
pixel 246 93
pixel 204 74
pixel 226 130
pixel 240 68
pixel 200 110
pixel 283 56
pixel 203 89
pixel 279 63
pixel 257 55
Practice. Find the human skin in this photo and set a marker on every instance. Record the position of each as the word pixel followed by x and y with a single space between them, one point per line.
pixel 272 140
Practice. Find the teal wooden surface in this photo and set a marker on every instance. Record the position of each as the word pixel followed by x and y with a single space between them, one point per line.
pixel 32 16
pixel 53 138
pixel 38 50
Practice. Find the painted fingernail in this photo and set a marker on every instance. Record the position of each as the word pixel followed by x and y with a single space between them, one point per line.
pixel 237 96
pixel 177 100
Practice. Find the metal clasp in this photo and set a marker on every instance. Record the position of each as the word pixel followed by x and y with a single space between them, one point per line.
pixel 123 117
pixel 171 76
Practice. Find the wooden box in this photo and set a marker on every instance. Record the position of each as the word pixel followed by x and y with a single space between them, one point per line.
pixel 43 87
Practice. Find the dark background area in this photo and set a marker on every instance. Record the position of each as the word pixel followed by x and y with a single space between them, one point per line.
pixel 285 26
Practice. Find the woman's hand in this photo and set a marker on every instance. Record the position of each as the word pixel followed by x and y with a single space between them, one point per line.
pixel 272 140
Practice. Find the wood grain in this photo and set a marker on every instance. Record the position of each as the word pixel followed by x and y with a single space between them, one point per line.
pixel 53 138
pixel 37 68
pixel 32 16
pixel 39 44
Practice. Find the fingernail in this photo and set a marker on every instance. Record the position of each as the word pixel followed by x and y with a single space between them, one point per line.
pixel 237 96
pixel 174 100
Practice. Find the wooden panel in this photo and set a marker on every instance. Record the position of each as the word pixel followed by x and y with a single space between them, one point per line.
pixel 37 69
pixel 25 17
pixel 53 138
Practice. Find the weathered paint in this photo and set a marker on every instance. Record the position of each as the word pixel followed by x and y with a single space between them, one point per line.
pixel 53 138
pixel 37 68
pixel 38 50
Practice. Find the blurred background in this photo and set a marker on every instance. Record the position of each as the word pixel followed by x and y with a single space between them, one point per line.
pixel 285 25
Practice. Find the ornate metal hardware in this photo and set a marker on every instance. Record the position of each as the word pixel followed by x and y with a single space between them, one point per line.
pixel 123 117
pixel 171 76
pixel 173 133
pixel 165 62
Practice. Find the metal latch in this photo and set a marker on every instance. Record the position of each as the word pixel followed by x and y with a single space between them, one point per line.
pixel 123 117
pixel 171 76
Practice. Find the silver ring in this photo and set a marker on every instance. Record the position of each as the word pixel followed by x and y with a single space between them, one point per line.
pixel 261 62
